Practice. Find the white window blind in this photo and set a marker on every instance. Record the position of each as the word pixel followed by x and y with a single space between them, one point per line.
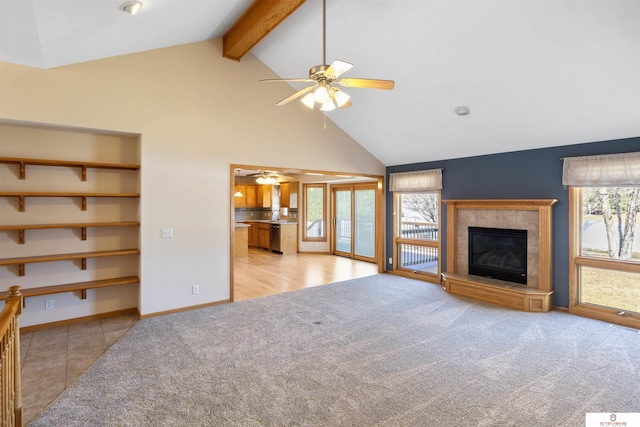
pixel 407 182
pixel 608 170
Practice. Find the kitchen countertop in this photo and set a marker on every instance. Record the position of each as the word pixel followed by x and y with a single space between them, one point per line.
pixel 265 221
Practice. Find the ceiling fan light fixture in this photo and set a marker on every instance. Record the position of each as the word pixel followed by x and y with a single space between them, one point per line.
pixel 341 98
pixel 321 95
pixel 308 100
pixel 328 106
pixel 131 7
pixel 266 180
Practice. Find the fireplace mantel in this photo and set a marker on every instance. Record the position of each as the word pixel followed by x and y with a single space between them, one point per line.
pixel 533 215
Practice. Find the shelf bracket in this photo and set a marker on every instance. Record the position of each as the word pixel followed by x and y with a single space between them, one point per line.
pixel 84 233
pixel 84 264
pixel 21 237
pixel 21 269
pixel 84 203
pixel 21 203
pixel 84 172
pixel 83 294
pixel 23 170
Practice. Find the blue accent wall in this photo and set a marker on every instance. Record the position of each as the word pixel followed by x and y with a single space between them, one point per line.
pixel 529 174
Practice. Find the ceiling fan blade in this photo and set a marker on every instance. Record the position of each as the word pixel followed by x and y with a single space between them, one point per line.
pixel 287 80
pixel 296 95
pixel 337 68
pixel 367 83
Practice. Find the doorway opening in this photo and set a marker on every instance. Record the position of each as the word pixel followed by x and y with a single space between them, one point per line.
pixel 261 196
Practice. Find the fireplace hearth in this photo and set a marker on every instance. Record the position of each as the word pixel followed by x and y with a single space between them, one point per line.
pixel 528 289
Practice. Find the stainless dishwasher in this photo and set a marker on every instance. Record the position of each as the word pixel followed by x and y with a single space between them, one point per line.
pixel 275 238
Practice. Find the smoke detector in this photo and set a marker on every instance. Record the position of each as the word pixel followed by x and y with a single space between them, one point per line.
pixel 462 111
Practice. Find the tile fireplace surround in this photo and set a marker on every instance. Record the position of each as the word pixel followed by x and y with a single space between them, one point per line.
pixel 533 215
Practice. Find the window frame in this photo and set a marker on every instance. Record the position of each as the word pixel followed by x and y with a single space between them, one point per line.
pixel 305 237
pixel 577 261
pixel 399 240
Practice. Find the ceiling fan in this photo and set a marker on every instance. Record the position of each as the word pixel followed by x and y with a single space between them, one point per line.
pixel 265 177
pixel 324 92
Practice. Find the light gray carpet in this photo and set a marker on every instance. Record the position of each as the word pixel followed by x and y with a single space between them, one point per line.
pixel 376 351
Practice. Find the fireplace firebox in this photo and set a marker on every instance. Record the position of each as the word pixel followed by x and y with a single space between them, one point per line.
pixel 498 253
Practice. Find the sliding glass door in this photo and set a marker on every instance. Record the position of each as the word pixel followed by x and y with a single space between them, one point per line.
pixel 354 221
pixel 342 224
pixel 364 225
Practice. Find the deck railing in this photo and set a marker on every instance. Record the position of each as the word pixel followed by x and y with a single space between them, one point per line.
pixel 419 230
pixel 11 387
pixel 411 255
pixel 315 228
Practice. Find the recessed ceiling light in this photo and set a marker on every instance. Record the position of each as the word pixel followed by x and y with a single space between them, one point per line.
pixel 131 7
pixel 462 111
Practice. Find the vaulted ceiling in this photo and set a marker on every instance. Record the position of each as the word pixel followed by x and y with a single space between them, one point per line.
pixel 534 73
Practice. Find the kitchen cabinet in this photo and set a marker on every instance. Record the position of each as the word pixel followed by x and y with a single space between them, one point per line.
pixel 264 235
pixel 284 194
pixel 259 234
pixel 289 194
pixel 241 244
pixel 264 196
pixel 253 234
pixel 251 196
pixel 288 238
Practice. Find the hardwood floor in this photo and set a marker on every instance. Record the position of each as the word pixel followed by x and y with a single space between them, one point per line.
pixel 265 273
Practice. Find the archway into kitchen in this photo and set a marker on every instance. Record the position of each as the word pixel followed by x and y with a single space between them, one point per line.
pixel 282 223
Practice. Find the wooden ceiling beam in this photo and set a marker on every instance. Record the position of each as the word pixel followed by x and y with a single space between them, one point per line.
pixel 258 21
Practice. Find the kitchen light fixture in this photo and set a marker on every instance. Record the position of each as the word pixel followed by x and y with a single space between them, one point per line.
pixel 131 7
pixel 266 180
pixel 237 193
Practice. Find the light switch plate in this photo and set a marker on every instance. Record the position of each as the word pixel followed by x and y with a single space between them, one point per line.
pixel 167 232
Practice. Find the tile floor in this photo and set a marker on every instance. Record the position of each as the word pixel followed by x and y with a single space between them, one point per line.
pixel 53 358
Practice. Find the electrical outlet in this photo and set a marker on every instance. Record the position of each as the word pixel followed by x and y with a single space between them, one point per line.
pixel 48 304
pixel 195 290
pixel 167 232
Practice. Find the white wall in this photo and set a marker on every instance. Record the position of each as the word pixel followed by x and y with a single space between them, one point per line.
pixel 197 113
